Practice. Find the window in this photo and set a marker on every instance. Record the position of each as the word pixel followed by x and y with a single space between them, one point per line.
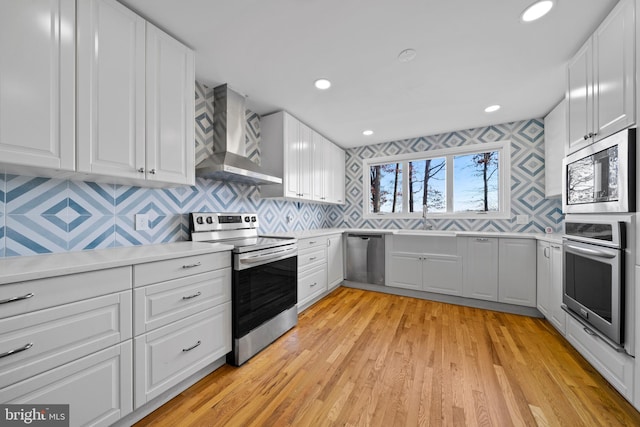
pixel 461 182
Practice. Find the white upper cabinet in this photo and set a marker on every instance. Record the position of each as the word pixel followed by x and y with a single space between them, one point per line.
pixel 37 83
pixel 111 89
pixel 135 98
pixel 307 161
pixel 170 142
pixel 555 139
pixel 601 80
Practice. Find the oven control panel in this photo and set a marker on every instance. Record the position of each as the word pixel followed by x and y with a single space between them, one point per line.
pixel 213 221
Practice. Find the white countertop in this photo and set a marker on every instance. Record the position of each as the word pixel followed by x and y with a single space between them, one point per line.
pixel 18 269
pixel 303 234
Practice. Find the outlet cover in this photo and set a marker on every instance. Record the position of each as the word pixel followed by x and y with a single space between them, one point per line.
pixel 142 222
pixel 522 219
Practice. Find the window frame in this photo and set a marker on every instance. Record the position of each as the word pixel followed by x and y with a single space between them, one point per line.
pixel 504 181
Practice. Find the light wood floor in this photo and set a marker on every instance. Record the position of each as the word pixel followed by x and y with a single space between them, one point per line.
pixel 366 358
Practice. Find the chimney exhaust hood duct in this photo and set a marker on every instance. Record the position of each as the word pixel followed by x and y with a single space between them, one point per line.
pixel 229 161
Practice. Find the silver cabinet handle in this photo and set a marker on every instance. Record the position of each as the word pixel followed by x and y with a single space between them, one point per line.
pixel 312 258
pixel 314 284
pixel 17 350
pixel 193 296
pixel 152 171
pixel 546 254
pixel 192 347
pixel 141 170
pixel 14 299
pixel 312 242
pixel 197 264
pixel 482 239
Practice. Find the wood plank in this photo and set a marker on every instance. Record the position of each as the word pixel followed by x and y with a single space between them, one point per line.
pixel 365 358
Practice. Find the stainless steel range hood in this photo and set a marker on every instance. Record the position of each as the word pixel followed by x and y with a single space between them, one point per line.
pixel 229 161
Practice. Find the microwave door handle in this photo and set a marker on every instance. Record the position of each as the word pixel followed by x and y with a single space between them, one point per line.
pixel 592 252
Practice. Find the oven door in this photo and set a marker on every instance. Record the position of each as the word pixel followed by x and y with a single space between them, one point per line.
pixel 265 285
pixel 593 285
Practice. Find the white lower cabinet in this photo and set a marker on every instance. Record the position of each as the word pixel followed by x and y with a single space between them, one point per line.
pixel 335 261
pixel 312 270
pixel 481 268
pixel 549 284
pixel 615 367
pixel 172 353
pixel 517 272
pixel 97 388
pixel 426 264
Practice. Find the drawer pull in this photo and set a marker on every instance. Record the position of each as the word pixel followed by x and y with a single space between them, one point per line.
pixel 17 350
pixel 312 242
pixel 589 331
pixel 197 264
pixel 193 346
pixel 312 258
pixel 193 296
pixel 482 239
pixel 14 299
pixel 314 284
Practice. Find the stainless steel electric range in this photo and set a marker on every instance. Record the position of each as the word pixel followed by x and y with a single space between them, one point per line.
pixel 265 279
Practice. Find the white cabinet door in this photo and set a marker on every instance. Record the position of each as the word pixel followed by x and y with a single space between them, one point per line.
pixel 305 166
pixel 335 257
pixel 320 162
pixel 481 268
pixel 111 90
pixel 580 98
pixel 97 388
pixel 37 83
pixel 614 71
pixel 543 277
pixel 292 142
pixel 339 172
pixel 170 114
pixel 517 272
pixel 442 274
pixel 406 271
pixel 555 137
pixel 557 316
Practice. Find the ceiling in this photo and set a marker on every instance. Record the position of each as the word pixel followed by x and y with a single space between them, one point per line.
pixel 470 54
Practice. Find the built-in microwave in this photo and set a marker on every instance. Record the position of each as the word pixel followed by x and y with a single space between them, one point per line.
pixel 601 176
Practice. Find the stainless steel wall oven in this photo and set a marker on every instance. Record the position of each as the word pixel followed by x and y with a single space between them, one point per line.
pixel 594 274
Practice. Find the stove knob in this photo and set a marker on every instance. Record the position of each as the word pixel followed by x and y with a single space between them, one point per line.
pixel 209 220
pixel 200 220
pixel 253 219
pixel 246 219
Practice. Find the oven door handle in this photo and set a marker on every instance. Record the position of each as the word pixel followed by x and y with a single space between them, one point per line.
pixel 591 252
pixel 266 257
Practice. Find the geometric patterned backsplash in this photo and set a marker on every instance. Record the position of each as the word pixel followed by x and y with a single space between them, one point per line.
pixel 45 215
pixel 527 180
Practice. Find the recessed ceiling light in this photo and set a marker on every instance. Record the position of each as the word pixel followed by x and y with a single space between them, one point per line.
pixel 323 84
pixel 407 55
pixel 536 10
pixel 367 132
pixel 492 108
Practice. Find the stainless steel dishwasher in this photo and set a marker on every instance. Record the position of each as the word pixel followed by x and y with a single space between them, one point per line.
pixel 365 258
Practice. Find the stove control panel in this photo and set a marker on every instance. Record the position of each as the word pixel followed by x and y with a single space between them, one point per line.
pixel 213 221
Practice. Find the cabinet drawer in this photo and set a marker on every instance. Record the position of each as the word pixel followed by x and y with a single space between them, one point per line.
pixel 168 355
pixel 97 388
pixel 166 302
pixel 617 368
pixel 62 334
pixel 60 290
pixel 160 271
pixel 312 242
pixel 311 257
pixel 312 283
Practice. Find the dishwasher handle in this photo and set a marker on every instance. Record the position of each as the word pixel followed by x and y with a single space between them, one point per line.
pixel 366 236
